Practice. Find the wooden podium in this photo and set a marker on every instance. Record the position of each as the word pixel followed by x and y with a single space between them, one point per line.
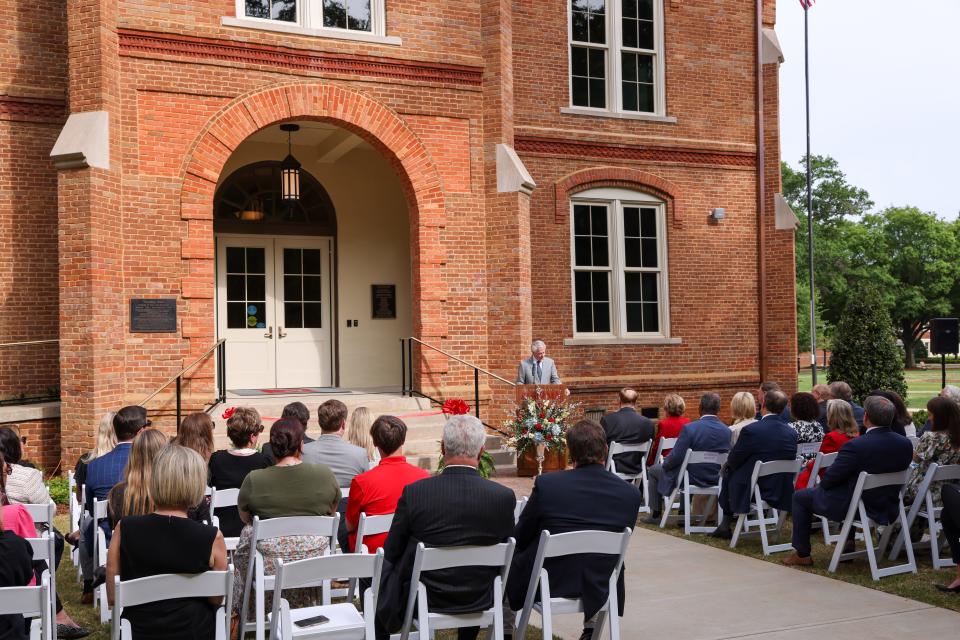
pixel 527 460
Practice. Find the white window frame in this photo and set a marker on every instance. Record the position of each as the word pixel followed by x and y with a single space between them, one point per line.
pixel 615 199
pixel 310 22
pixel 614 73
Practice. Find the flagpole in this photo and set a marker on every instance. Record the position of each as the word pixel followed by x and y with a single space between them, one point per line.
pixel 813 296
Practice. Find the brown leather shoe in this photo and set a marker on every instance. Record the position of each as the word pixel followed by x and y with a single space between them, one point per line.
pixel 798 561
pixel 86 597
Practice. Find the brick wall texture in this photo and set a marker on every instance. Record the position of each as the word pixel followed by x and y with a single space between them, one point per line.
pixel 490 271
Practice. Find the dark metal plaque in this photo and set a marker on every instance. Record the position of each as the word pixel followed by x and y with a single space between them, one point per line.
pixel 153 315
pixel 384 300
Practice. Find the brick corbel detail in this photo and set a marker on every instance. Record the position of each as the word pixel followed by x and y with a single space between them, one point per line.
pixel 622 177
pixel 352 110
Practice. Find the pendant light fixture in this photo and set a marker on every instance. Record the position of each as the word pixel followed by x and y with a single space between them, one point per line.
pixel 290 168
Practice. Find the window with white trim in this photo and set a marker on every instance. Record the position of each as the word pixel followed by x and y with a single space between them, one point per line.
pixel 619 264
pixel 351 16
pixel 616 56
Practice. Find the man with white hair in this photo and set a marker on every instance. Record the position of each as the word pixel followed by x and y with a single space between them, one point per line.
pixel 455 508
pixel 537 369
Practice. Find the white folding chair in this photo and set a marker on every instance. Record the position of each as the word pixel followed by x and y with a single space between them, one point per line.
pixel 42 515
pixel 434 558
pixel 807 450
pixel 638 479
pixel 257 580
pixel 924 507
pixel 100 558
pixel 569 544
pixel 857 518
pixel 345 622
pixel 664 445
pixel 759 506
pixel 210 584
pixel 30 602
pixel 520 506
pixel 344 492
pixel 371 526
pixel 76 510
pixel 44 549
pixel 219 499
pixel 689 490
pixel 821 462
pixel 914 440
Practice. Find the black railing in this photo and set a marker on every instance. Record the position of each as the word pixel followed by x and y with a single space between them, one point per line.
pixel 408 380
pixel 220 347
pixel 52 393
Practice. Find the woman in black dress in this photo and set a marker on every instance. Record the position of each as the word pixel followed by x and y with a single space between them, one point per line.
pixel 167 541
pixel 229 467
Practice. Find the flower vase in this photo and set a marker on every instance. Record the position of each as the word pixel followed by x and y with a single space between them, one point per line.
pixel 553 460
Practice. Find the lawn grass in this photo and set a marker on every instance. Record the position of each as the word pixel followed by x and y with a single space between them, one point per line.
pixel 921 385
pixel 914 586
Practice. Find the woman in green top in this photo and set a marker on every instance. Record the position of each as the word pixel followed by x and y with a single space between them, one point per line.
pixel 289 488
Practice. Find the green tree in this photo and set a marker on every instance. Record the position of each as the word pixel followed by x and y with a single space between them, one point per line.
pixel 865 354
pixel 918 252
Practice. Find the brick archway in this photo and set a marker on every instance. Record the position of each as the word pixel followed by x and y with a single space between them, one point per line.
pixel 360 114
pixel 624 177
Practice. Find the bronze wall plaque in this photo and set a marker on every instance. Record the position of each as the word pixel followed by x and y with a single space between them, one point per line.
pixel 153 315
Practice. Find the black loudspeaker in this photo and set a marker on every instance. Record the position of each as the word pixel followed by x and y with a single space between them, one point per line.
pixel 944 336
pixel 650 412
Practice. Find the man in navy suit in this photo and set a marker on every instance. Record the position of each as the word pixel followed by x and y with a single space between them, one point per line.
pixel 626 426
pixel 879 450
pixel 771 438
pixel 765 387
pixel 586 498
pixel 706 434
pixel 842 390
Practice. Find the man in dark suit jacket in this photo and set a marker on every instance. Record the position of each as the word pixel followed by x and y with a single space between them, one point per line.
pixel 299 412
pixel 822 393
pixel 769 439
pixel 585 498
pixel 456 508
pixel 626 426
pixel 842 390
pixel 706 434
pixel 879 450
pixel 766 387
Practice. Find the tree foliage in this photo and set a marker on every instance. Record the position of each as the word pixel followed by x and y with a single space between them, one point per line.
pixel 865 354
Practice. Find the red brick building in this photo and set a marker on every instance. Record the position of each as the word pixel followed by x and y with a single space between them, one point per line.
pixel 513 170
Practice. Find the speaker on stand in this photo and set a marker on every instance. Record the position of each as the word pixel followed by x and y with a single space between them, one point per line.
pixel 944 339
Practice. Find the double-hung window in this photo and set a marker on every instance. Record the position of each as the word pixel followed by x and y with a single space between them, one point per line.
pixel 357 17
pixel 616 56
pixel 619 264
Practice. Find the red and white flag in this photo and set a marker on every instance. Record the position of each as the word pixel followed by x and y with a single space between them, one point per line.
pixel 806 4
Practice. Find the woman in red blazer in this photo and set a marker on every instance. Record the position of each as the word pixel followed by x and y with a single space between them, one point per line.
pixel 669 427
pixel 841 429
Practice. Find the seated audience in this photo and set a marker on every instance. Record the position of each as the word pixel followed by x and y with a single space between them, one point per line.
pixel 626 426
pixel 669 426
pixel 941 444
pixel 879 450
pixel 229 467
pixel 196 432
pixel 288 488
pixel 841 428
pixel 16 558
pixel 822 393
pixel 299 412
pixel 768 439
pixel 769 385
pixel 842 391
pixel 902 420
pixel 132 496
pixel 706 434
pixel 167 541
pixel 804 410
pixel 743 409
pixel 950 519
pixel 583 498
pixel 454 508
pixel 24 484
pixel 358 433
pixel 377 491
pixel 344 459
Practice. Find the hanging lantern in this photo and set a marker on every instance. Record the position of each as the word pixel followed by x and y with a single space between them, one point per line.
pixel 290 168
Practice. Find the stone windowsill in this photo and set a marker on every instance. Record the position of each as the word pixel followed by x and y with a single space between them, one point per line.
pixel 286 27
pixel 29 412
pixel 600 113
pixel 586 342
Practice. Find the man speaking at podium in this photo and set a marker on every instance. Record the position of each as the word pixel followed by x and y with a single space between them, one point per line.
pixel 537 369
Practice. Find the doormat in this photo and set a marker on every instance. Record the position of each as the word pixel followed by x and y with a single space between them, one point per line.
pixel 291 391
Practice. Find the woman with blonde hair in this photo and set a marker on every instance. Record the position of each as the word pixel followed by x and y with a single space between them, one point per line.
pixel 669 426
pixel 743 408
pixel 842 429
pixel 167 541
pixel 358 432
pixel 131 497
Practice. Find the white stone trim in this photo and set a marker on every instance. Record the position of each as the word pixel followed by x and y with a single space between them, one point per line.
pixel 772 51
pixel 83 142
pixel 29 412
pixel 512 174
pixel 575 342
pixel 785 217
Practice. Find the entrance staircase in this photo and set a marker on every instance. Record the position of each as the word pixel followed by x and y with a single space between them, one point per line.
pixel 424 422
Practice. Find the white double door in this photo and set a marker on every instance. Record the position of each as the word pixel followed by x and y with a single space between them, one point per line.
pixel 274 308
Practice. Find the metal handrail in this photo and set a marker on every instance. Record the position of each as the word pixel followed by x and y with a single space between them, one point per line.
pixel 220 347
pixel 17 344
pixel 461 361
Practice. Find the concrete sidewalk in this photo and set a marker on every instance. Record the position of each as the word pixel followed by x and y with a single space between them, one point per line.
pixel 683 590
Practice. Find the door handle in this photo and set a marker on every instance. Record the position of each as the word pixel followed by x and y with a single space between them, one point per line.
pixel 280 333
pixel 269 333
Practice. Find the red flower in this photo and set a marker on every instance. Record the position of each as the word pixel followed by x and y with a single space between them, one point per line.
pixel 455 407
pixel 228 413
pixel 549 436
pixel 542 415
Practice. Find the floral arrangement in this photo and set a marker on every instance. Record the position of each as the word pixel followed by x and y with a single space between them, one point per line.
pixel 540 420
pixel 455 407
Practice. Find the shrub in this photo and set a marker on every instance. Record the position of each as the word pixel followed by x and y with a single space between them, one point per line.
pixel 59 489
pixel 919 419
pixel 865 353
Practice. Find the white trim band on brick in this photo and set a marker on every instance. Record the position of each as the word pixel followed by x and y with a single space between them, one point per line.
pixel 83 142
pixel 512 174
pixel 29 412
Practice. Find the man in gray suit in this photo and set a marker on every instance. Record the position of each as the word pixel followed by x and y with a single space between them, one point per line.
pixel 537 369
pixel 330 449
